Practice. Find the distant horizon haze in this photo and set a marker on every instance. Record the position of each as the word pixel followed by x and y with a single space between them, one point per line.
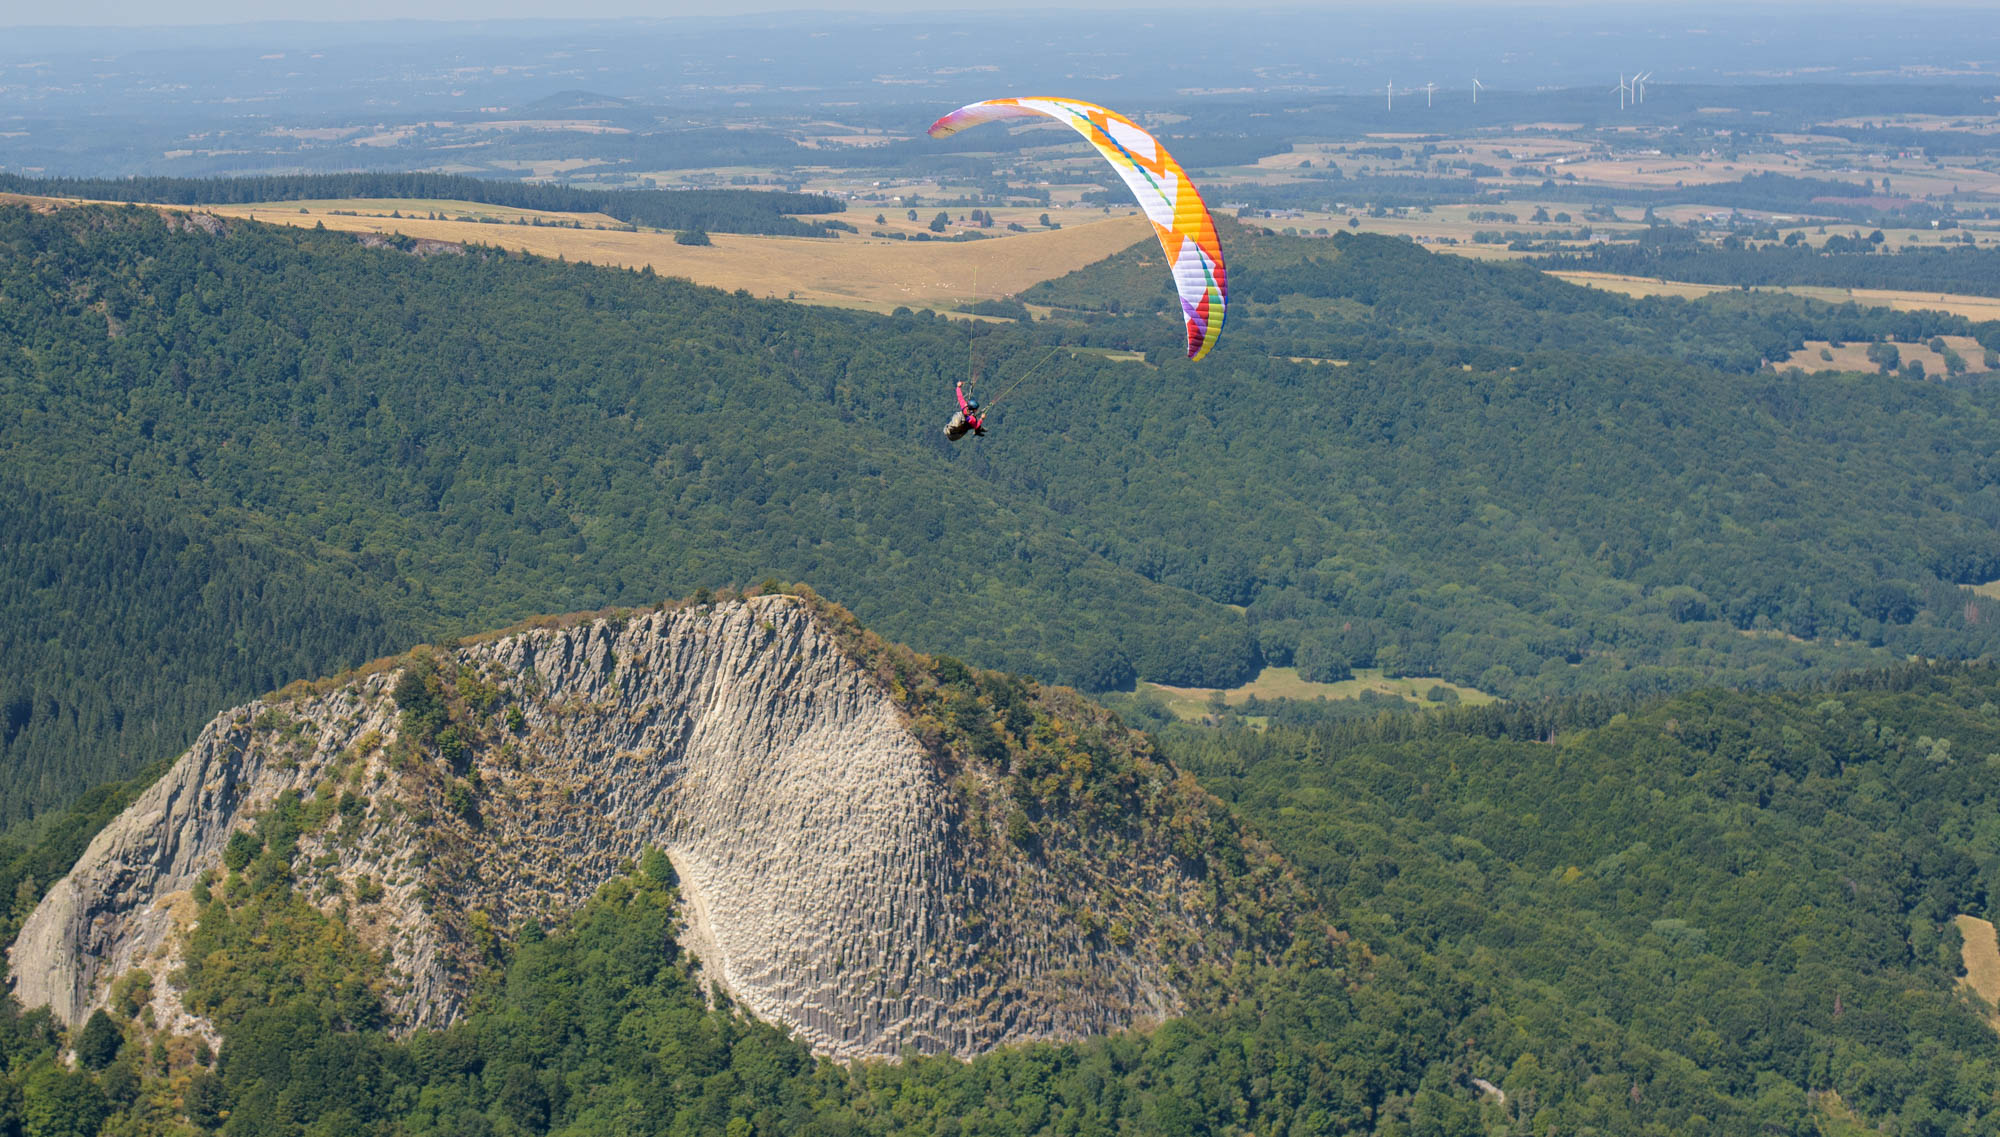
pixel 248 13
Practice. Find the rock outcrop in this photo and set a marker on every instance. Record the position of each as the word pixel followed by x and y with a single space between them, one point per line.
pixel 852 865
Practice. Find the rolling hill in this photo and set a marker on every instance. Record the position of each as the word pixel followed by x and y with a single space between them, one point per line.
pixel 241 454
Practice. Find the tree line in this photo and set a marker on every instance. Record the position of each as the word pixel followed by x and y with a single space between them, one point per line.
pixel 715 210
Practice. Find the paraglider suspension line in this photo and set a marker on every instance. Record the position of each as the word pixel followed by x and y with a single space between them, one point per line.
pixel 971 370
pixel 995 400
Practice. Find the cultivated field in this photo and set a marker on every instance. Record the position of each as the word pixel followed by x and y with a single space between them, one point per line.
pixel 1285 683
pixel 1971 307
pixel 852 272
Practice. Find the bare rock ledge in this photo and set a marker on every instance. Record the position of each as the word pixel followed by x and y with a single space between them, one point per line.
pixel 839 876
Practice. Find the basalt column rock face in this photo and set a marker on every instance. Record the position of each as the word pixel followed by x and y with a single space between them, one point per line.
pixel 846 869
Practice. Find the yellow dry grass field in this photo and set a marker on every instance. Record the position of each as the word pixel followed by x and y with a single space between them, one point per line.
pixel 1486 252
pixel 1854 356
pixel 849 272
pixel 1660 171
pixel 291 212
pixel 36 203
pixel 1971 307
pixel 1956 304
pixel 1990 590
pixel 1981 957
pixel 1285 683
pixel 1315 152
pixel 1641 285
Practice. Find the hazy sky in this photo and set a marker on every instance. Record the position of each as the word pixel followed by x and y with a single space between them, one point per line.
pixel 145 13
pixel 151 12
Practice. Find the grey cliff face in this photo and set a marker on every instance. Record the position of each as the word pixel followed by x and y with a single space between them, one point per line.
pixel 839 876
pixel 117 908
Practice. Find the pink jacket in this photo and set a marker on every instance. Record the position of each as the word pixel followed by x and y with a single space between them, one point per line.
pixel 965 408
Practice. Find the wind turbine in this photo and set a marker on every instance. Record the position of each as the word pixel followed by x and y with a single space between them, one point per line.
pixel 1391 87
pixel 1476 85
pixel 1623 88
pixel 1639 85
pixel 1428 88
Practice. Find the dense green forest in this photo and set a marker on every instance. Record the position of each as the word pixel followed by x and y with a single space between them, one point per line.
pixel 266 453
pixel 1370 298
pixel 460 449
pixel 1709 908
pixel 171 618
pixel 1851 263
pixel 1719 913
pixel 716 210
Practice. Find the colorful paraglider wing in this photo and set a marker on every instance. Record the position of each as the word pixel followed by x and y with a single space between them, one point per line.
pixel 1186 231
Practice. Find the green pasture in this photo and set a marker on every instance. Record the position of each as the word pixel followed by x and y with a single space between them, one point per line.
pixel 1286 683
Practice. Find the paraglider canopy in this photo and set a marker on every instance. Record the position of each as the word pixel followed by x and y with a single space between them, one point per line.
pixel 1179 217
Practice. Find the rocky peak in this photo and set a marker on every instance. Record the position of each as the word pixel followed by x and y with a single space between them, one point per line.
pixel 878 850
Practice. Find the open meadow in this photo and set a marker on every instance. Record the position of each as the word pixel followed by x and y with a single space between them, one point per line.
pixel 1192 703
pixel 851 271
pixel 1823 355
pixel 1990 589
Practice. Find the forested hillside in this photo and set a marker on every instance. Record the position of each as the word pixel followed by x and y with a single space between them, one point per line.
pixel 258 454
pixel 121 628
pixel 1710 908
pixel 461 441
pixel 1721 913
pixel 1614 490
